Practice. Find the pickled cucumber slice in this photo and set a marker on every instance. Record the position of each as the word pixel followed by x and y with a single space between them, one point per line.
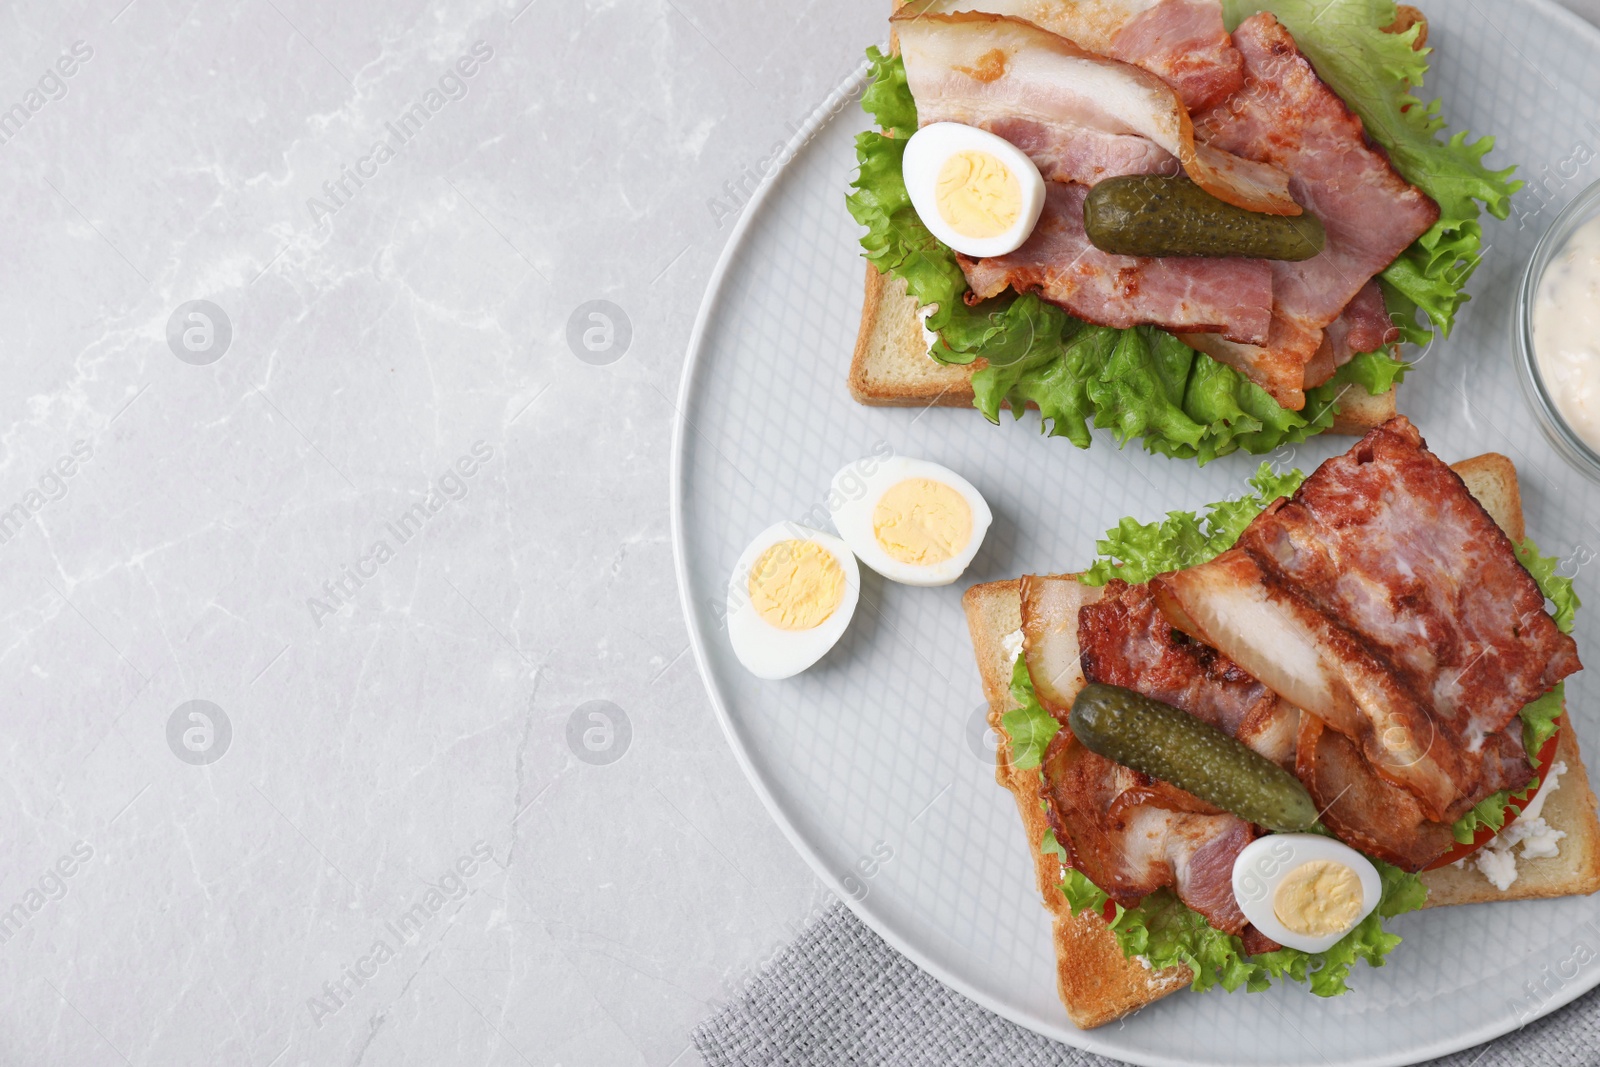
pixel 1154 215
pixel 1174 746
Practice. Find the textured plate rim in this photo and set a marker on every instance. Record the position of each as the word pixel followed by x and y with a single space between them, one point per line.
pixel 1080 1039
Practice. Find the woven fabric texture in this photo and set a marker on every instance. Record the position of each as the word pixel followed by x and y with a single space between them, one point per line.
pixel 841 995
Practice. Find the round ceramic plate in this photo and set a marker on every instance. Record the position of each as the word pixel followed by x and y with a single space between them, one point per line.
pixel 877 762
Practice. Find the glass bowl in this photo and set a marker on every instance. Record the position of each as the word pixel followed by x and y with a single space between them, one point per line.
pixel 1581 455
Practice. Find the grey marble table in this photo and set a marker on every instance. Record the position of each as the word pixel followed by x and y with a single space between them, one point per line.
pixel 369 505
pixel 348 709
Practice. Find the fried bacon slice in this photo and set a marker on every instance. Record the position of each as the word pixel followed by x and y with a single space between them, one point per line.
pixel 1082 113
pixel 1125 640
pixel 1128 833
pixel 1132 835
pixel 1383 600
pixel 1182 42
pixel 1050 608
pixel 1376 816
pixel 1230 296
pixel 1361 808
pixel 1363 326
pixel 1286 116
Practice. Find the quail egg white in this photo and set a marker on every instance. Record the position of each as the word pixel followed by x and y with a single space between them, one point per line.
pixel 1305 891
pixel 978 193
pixel 912 521
pixel 790 598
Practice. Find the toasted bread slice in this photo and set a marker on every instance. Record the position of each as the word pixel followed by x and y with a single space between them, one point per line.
pixel 891 367
pixel 1096 982
pixel 1359 411
pixel 1492 479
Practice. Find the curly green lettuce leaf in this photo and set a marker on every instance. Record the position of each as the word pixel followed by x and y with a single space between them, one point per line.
pixel 1006 331
pixel 1377 74
pixel 1538 726
pixel 1138 551
pixel 1145 383
pixel 896 241
pixel 1029 727
pixel 1403 314
pixel 1556 588
pixel 1539 719
pixel 1490 813
pixel 1082 895
pixel 1167 932
pixel 1375 372
pixel 888 96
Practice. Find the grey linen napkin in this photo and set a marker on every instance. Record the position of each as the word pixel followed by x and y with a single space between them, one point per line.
pixel 840 995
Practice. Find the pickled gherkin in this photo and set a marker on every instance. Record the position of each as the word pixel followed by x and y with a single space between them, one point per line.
pixel 1174 746
pixel 1156 215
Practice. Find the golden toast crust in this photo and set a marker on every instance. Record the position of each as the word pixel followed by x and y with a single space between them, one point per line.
pixel 1096 982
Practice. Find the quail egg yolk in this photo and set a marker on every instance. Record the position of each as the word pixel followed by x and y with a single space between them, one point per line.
pixel 922 521
pixel 978 196
pixel 796 585
pixel 1318 898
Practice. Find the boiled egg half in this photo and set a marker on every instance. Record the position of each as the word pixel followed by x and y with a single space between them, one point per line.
pixel 912 521
pixel 978 193
pixel 1305 891
pixel 791 596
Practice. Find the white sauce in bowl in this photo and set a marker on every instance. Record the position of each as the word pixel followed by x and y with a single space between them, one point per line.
pixel 1566 331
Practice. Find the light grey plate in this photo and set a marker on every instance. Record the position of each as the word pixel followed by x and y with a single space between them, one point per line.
pixel 877 763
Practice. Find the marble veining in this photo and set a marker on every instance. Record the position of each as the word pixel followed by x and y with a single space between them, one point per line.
pixel 350 711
